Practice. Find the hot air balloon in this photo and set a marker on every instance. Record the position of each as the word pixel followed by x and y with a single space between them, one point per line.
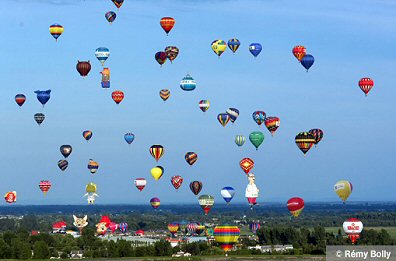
pixel 204 105
pixel 155 202
pixel 173 228
pixel 45 186
pixel 164 94
pixel 118 3
pixel 254 226
pixel 83 68
pixel 91 189
pixel 157 151
pixel 177 181
pixel 56 30
pixel 307 61
pixel 246 165
pixel 240 140
pixel 105 78
pixel 93 166
pixel 129 137
pixel 66 150
pixel 167 24
pixel 219 46
pixel 191 158
pixel 157 172
pixel 140 183
pixel 255 49
pixel 113 227
pixel 366 84
pixel 295 206
pixel 227 193
pixel 353 227
pixel 43 96
pixel 272 124
pixel 252 192
pixel 117 96
pixel 233 44
pixel 226 236
pixel 62 164
pixel 223 118
pixel 20 99
pixel 87 134
pixel 206 202
pixel 318 135
pixel 256 138
pixel 299 52
pixel 191 228
pixel 10 197
pixel 160 57
pixel 305 141
pixel 196 187
pixel 80 223
pixel 233 113
pixel 188 83
pixel 259 117
pixel 343 188
pixel 123 227
pixel 171 52
pixel 102 53
pixel 39 118
pixel 139 232
pixel 200 228
pixel 110 16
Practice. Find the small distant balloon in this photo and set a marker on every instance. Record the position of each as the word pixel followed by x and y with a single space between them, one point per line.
pixel 110 16
pixel 219 46
pixel 129 137
pixel 204 105
pixel 83 68
pixel 39 118
pixel 171 52
pixel 155 202
pixel 56 30
pixel 161 57
pixel 66 150
pixel 117 96
pixel 259 117
pixel 118 3
pixel 62 164
pixel 191 158
pixel 102 53
pixel 307 61
pixel 140 183
pixel 20 99
pixel 223 118
pixel 43 96
pixel 240 140
pixel 157 172
pixel 233 44
pixel 164 94
pixel 256 138
pixel 87 135
pixel 233 113
pixel 366 84
pixel 227 193
pixel 167 24
pixel 255 49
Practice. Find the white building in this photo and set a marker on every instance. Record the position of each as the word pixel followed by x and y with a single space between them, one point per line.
pixel 270 249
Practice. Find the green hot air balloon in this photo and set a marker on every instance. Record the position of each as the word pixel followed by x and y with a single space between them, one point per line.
pixel 256 138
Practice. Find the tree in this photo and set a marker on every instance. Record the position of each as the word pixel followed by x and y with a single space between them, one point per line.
pixel 163 248
pixel 41 250
pixel 5 250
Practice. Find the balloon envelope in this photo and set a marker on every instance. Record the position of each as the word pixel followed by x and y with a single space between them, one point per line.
pixel 256 138
pixel 227 193
pixel 226 236
pixel 295 206
pixel 20 99
pixel 343 188
pixel 307 61
pixel 255 49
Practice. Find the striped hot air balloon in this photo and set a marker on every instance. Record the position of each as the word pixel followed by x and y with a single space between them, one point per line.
pixel 191 158
pixel 155 202
pixel 191 228
pixel 254 226
pixel 140 183
pixel 87 134
pixel 117 96
pixel 366 84
pixel 83 68
pixel 110 16
pixel 188 83
pixel 39 118
pixel 226 236
pixel 45 186
pixel 295 206
pixel 56 30
pixel 20 99
pixel 223 118
pixel 164 94
pixel 233 113
pixel 204 105
pixel 118 3
pixel 93 166
pixel 102 53
pixel 157 151
pixel 167 24
pixel 227 193
pixel 233 44
pixel 173 228
pixel 272 124
pixel 123 227
pixel 305 141
pixel 240 140
pixel 62 164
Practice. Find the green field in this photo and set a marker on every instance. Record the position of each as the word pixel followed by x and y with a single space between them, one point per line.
pixel 390 230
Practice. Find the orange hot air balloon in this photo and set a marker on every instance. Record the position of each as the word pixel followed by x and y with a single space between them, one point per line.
pixel 167 24
pixel 299 52
pixel 246 164
pixel 117 96
pixel 157 151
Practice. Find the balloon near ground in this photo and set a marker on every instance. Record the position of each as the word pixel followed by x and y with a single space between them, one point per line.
pixel 295 206
pixel 155 203
pixel 353 227
pixel 226 236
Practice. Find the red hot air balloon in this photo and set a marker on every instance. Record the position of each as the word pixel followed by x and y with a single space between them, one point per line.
pixel 295 206
pixel 160 57
pixel 117 96
pixel 140 183
pixel 20 99
pixel 83 68
pixel 272 124
pixel 191 158
pixel 366 84
pixel 45 186
pixel 352 227
pixel 177 181
pixel 157 151
pixel 299 52
pixel 246 164
pixel 167 24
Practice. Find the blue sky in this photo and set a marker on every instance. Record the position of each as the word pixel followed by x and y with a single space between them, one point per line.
pixel 349 40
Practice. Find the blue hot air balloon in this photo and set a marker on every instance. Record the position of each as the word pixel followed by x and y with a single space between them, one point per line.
pixel 307 61
pixel 188 83
pixel 102 53
pixel 233 44
pixel 255 49
pixel 129 137
pixel 233 113
pixel 227 193
pixel 43 96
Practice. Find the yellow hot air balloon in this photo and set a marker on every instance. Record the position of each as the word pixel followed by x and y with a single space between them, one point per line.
pixel 219 46
pixel 343 188
pixel 157 172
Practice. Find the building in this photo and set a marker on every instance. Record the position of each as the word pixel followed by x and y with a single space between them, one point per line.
pixel 181 254
pixel 274 248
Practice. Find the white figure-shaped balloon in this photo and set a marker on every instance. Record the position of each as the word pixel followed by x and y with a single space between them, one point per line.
pixel 252 192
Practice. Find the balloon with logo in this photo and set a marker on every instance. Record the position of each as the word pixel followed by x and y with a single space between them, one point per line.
pixel 318 135
pixel 233 44
pixel 227 193
pixel 39 118
pixel 177 181
pixel 240 140
pixel 87 135
pixel 254 226
pixel 10 197
pixel 102 53
pixel 20 99
pixel 343 188
pixel 157 172
pixel 219 46
pixel 45 186
pixel 157 151
pixel 173 228
pixel 62 164
pixel 171 52
pixel 226 236
pixel 259 117
pixel 117 96
pixel 255 49
pixel 66 150
pixel 305 141
pixel 206 202
pixel 155 203
pixel 110 16
pixel 164 94
pixel 56 30
pixel 366 84
pixel 188 83
pixel 191 158
pixel 307 61
pixel 233 113
pixel 196 187
pixel 256 138
pixel 43 96
pixel 160 57
pixel 272 124
pixel 299 52
pixel 83 68
pixel 295 206
pixel 223 118
pixel 167 24
pixel 204 105
pixel 353 227
pixel 118 3
pixel 140 183
pixel 246 165
pixel 93 166
pixel 129 137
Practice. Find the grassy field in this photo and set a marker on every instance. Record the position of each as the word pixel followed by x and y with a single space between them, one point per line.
pixel 390 230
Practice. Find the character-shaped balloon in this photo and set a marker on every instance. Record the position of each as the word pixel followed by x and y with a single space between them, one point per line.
pixel 80 223
pixel 252 192
pixel 101 228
